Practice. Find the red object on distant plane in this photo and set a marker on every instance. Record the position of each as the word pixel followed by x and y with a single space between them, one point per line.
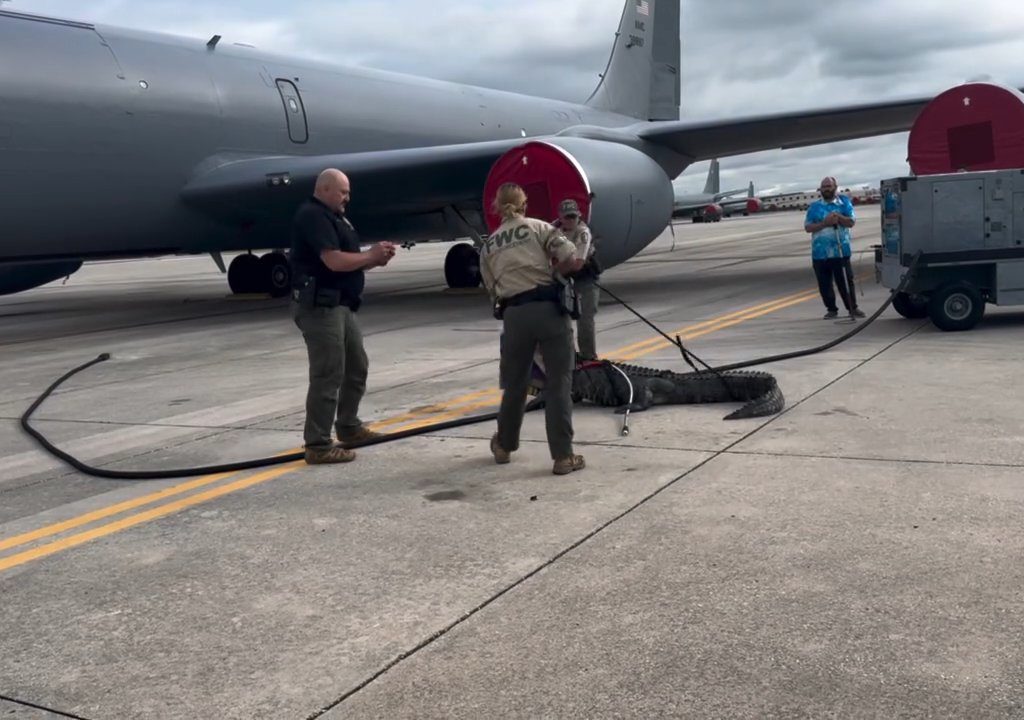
pixel 753 205
pixel 975 126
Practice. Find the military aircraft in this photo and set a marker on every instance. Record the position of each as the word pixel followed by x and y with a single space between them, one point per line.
pixel 116 143
pixel 713 203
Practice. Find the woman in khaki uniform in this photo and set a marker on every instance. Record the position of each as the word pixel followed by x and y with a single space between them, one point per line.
pixel 517 262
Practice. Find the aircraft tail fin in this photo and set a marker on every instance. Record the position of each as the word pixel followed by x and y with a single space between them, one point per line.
pixel 642 76
pixel 713 186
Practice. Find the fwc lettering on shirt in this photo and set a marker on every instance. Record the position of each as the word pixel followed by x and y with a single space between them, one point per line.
pixel 517 256
pixel 830 242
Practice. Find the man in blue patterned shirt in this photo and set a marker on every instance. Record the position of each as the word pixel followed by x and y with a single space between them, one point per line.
pixel 829 221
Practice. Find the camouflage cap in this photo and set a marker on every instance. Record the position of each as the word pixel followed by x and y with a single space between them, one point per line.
pixel 568 207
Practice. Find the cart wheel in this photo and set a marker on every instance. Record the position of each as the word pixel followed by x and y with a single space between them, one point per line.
pixel 956 306
pixel 909 307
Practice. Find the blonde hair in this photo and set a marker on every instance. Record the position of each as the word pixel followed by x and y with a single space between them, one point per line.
pixel 510 201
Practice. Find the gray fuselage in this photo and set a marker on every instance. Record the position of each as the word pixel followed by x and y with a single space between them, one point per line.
pixel 100 129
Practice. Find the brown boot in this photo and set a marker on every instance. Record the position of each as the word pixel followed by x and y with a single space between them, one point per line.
pixel 329 454
pixel 358 435
pixel 564 466
pixel 501 456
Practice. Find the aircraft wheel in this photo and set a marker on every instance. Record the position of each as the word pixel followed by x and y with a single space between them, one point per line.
pixel 909 307
pixel 244 275
pixel 956 306
pixel 276 274
pixel 462 266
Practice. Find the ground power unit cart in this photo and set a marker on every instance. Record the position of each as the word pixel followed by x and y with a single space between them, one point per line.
pixel 969 229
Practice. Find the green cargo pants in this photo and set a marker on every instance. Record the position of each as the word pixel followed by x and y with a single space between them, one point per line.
pixel 338 367
pixel 526 327
pixel 586 335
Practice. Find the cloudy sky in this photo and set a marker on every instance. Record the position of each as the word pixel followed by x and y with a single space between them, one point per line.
pixel 739 57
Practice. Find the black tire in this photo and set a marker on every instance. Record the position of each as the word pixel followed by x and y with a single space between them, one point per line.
pixel 910 308
pixel 277 274
pixel 955 307
pixel 462 266
pixel 244 275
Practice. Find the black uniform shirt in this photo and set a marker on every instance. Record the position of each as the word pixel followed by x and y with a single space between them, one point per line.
pixel 316 228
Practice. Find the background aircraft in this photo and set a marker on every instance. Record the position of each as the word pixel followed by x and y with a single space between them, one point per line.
pixel 746 205
pixel 118 143
pixel 713 203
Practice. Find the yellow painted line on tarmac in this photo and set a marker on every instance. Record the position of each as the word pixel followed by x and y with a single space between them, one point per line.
pixel 429 409
pixel 71 541
pixel 108 511
pixel 415 419
pixel 705 323
pixel 693 332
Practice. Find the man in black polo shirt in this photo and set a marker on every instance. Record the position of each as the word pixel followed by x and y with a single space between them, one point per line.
pixel 327 286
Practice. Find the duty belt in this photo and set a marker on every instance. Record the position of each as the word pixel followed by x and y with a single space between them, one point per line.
pixel 541 293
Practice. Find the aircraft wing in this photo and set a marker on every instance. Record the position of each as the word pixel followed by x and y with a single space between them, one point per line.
pixel 707 140
pixel 402 182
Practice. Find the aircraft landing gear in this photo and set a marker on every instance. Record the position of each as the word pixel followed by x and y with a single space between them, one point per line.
pixel 269 274
pixel 277 274
pixel 462 266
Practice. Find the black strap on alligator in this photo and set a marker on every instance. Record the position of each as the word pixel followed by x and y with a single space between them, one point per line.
pixel 93 471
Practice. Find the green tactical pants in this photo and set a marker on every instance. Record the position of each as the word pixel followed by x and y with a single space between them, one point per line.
pixel 586 335
pixel 338 367
pixel 526 327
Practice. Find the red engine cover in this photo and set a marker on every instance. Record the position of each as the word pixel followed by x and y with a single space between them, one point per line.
pixel 753 205
pixel 975 126
pixel 547 173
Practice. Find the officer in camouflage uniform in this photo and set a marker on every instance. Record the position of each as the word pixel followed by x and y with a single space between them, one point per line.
pixel 327 285
pixel 570 223
pixel 516 263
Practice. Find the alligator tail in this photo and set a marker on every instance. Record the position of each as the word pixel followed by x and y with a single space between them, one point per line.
pixel 770 402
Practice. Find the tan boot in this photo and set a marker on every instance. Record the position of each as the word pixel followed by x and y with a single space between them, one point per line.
pixel 359 435
pixel 564 466
pixel 328 455
pixel 501 456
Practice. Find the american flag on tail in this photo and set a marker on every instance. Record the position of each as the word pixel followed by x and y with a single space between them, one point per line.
pixel 642 8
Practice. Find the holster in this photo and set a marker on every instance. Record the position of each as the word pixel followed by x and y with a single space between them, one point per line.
pixel 569 301
pixel 306 293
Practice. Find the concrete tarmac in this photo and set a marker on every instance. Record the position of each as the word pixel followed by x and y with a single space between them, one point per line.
pixel 856 556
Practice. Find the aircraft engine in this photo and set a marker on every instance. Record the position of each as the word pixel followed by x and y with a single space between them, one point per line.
pixel 624 195
pixel 753 205
pixel 24 276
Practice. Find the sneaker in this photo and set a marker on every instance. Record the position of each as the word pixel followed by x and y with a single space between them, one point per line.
pixel 360 434
pixel 857 312
pixel 831 314
pixel 564 466
pixel 329 454
pixel 501 456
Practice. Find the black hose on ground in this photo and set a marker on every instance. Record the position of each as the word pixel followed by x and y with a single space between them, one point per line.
pixel 904 282
pixel 214 469
pixel 436 427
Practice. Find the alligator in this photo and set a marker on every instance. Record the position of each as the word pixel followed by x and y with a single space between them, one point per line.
pixel 604 383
